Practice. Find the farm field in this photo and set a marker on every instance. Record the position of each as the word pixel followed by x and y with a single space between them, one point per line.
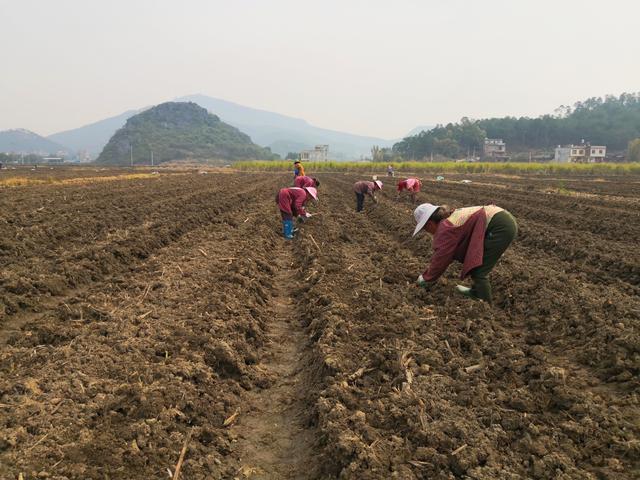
pixel 140 316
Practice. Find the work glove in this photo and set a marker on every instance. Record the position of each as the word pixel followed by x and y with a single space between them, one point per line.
pixel 421 282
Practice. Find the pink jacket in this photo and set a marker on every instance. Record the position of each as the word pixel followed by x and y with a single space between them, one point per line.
pixel 464 243
pixel 305 181
pixel 364 187
pixel 410 184
pixel 292 200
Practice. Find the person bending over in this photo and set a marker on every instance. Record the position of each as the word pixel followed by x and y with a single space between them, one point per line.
pixel 291 202
pixel 411 185
pixel 475 236
pixel 305 181
pixel 363 188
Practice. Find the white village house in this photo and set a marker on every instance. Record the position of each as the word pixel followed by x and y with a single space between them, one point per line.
pixel 319 154
pixel 494 148
pixel 583 153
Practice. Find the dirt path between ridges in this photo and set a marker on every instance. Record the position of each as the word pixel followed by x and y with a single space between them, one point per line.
pixel 274 441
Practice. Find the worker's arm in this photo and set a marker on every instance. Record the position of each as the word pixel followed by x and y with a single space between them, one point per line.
pixel 373 196
pixel 299 205
pixel 443 251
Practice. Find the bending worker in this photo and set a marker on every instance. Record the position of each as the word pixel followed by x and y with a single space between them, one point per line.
pixel 363 188
pixel 291 202
pixel 305 181
pixel 411 185
pixel 475 236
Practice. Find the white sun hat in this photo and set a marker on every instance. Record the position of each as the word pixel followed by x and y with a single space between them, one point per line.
pixel 312 191
pixel 379 184
pixel 422 215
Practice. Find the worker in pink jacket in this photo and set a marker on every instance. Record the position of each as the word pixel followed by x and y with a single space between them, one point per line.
pixel 363 188
pixel 305 181
pixel 411 185
pixel 291 202
pixel 475 236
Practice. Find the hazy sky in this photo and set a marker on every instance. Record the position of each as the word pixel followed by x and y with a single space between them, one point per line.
pixel 369 67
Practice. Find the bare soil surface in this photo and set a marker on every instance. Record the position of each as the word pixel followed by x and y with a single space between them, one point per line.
pixel 142 315
pixel 274 440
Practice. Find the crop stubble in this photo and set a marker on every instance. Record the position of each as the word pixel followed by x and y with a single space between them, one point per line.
pixel 140 312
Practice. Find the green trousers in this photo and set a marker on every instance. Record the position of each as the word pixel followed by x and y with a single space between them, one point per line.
pixel 501 231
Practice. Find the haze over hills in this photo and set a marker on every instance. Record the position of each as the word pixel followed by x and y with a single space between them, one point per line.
pixel 610 120
pixel 178 131
pixel 285 134
pixel 93 137
pixel 279 132
pixel 25 141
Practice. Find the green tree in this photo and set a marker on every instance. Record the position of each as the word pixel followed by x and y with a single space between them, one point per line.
pixel 611 121
pixel 377 154
pixel 292 156
pixel 633 152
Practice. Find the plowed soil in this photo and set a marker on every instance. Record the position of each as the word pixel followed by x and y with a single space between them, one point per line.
pixel 142 317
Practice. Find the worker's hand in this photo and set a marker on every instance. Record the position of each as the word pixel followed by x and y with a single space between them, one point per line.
pixel 421 282
pixel 308 215
pixel 375 200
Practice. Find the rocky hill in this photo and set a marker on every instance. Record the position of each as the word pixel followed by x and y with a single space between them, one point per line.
pixel 281 133
pixel 178 131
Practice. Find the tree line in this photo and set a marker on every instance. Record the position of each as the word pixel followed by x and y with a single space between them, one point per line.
pixel 611 121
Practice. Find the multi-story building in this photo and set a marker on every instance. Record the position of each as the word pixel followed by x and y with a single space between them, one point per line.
pixel 494 148
pixel 319 154
pixel 597 153
pixel 583 153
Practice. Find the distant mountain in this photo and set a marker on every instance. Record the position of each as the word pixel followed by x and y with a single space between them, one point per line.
pixel 93 137
pixel 281 133
pixel 177 131
pixel 284 134
pixel 25 141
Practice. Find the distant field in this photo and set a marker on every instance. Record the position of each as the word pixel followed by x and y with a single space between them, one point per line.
pixel 461 167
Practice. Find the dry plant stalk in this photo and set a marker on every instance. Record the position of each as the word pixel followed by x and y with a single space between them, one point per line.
pixel 176 474
pixel 446 342
pixel 358 373
pixel 315 243
pixel 473 368
pixel 459 449
pixel 231 419
pixel 404 359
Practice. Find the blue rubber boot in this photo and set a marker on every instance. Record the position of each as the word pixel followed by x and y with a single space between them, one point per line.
pixel 287 229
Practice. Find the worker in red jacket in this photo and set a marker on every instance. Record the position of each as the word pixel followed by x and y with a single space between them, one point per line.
pixel 363 188
pixel 475 236
pixel 305 181
pixel 411 185
pixel 291 202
